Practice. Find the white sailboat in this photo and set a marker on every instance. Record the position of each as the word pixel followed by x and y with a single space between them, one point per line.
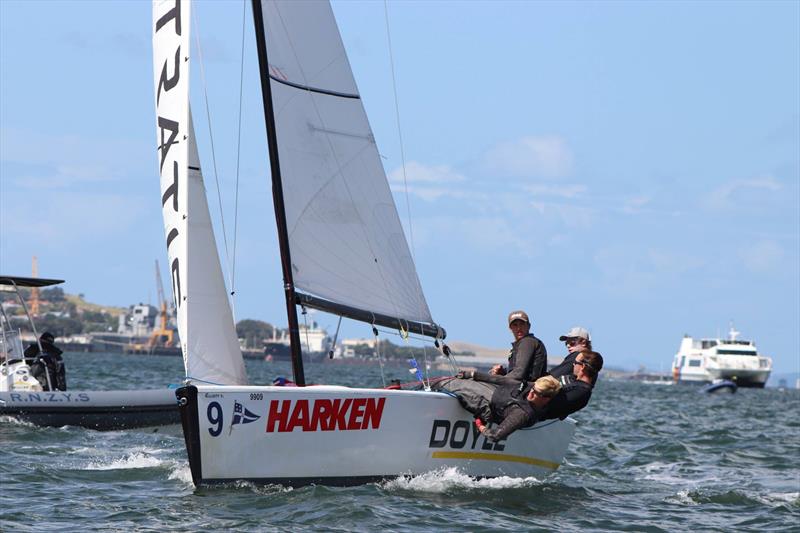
pixel 343 251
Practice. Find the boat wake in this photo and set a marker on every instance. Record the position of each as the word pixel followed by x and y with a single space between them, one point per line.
pixel 451 478
pixel 735 497
pixel 674 474
pixel 129 462
pixel 15 421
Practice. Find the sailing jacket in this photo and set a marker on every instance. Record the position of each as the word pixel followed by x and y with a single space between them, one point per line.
pixel 573 396
pixel 511 408
pixel 564 368
pixel 527 362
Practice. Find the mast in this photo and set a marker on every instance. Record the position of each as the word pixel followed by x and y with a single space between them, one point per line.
pixel 277 197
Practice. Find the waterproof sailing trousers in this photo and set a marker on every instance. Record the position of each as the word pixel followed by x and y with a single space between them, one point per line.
pixel 474 396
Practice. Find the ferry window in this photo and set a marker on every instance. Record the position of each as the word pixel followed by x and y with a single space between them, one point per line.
pixel 694 362
pixel 709 344
pixel 683 360
pixel 737 352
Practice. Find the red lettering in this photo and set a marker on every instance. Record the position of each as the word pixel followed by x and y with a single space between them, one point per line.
pixel 300 416
pixel 339 413
pixel 321 416
pixel 325 415
pixel 278 415
pixel 373 413
pixel 354 422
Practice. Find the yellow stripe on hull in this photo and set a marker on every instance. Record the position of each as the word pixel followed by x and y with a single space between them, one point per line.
pixel 496 457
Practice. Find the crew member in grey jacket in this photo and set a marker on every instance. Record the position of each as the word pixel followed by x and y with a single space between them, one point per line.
pixel 528 358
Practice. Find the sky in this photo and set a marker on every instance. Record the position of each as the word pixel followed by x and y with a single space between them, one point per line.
pixel 630 167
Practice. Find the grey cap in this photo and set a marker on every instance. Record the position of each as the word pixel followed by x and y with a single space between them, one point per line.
pixel 576 332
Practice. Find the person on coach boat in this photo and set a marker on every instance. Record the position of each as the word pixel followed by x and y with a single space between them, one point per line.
pixel 46 364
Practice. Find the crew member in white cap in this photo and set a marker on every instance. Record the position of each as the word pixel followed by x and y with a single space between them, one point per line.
pixel 577 340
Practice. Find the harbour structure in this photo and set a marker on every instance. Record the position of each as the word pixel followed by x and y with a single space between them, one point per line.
pixel 137 329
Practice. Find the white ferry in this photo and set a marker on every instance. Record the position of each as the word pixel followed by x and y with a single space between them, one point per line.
pixel 706 360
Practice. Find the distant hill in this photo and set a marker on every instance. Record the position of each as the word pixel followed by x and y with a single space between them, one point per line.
pixel 61 313
pixel 468 353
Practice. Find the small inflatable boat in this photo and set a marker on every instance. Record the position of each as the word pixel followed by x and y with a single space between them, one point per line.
pixel 720 386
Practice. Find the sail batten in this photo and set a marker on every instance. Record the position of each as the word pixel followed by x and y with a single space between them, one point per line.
pixel 345 236
pixel 313 89
pixel 370 317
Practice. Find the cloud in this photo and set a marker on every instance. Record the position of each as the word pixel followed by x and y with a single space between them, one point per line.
pixel 543 157
pixel 419 173
pixel 726 195
pixel 429 182
pixel 638 270
pixel 85 217
pixel 635 204
pixel 762 256
pixel 563 191
pixel 483 235
pixel 70 160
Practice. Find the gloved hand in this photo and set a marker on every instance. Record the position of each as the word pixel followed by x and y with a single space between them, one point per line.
pixel 498 370
pixel 465 374
pixel 479 424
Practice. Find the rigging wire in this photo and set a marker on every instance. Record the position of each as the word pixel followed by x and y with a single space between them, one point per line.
pixel 210 132
pixel 427 381
pixel 305 321
pixel 399 129
pixel 378 352
pixel 238 157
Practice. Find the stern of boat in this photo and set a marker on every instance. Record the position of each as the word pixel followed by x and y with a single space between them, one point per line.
pixel 190 421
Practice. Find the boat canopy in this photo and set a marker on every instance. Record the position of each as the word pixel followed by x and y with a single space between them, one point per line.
pixel 19 281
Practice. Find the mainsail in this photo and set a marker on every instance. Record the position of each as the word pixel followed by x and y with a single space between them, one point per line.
pixel 346 240
pixel 209 344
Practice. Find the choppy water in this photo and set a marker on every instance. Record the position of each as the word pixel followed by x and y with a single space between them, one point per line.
pixel 644 458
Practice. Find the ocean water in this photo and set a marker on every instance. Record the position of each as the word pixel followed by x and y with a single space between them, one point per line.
pixel 645 457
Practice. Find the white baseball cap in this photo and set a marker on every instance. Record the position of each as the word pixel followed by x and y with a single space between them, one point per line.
pixel 576 332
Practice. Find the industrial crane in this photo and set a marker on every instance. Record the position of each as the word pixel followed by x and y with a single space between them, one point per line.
pixel 162 335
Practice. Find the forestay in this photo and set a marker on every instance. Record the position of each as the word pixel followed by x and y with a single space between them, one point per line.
pixel 345 237
pixel 205 323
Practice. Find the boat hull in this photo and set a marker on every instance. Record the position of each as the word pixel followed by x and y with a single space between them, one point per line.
pixel 742 377
pixel 100 410
pixel 721 387
pixel 343 436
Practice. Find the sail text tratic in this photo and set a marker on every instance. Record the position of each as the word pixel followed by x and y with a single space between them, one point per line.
pixel 170 127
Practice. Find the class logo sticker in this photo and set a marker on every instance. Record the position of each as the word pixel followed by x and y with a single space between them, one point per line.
pixel 242 415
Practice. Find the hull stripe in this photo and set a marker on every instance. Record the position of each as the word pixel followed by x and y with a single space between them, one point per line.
pixel 496 457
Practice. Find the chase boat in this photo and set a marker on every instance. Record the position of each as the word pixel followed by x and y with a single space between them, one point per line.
pixel 33 384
